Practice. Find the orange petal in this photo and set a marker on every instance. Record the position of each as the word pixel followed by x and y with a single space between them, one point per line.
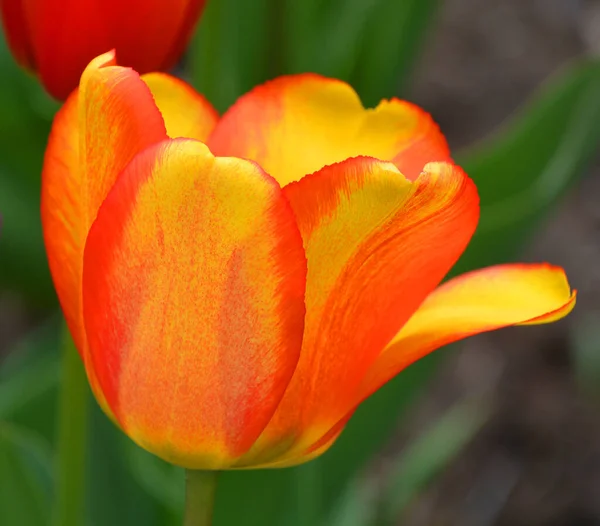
pixel 62 212
pixel 186 113
pixel 476 302
pixel 376 245
pixel 313 451
pixel 296 125
pixel 94 135
pixel 194 280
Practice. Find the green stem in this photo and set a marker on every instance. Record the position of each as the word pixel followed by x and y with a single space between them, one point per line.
pixel 72 434
pixel 200 488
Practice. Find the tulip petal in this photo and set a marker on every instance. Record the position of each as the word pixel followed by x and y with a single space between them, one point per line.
pixel 296 125
pixel 149 35
pixel 313 451
pixel 479 301
pixel 186 113
pixel 94 135
pixel 193 292
pixel 376 245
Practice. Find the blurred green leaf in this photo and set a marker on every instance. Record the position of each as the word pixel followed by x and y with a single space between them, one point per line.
pixel 114 495
pixel 365 503
pixel 357 506
pixel 18 391
pixel 261 497
pixel 430 453
pixel 298 38
pixel 25 117
pixel 25 477
pixel 231 51
pixel 524 169
pixel 337 36
pixel 349 39
pixel 163 481
pixel 390 46
pixel 29 378
pixel 371 42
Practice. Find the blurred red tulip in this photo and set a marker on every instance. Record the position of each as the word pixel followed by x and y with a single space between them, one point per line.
pixel 58 38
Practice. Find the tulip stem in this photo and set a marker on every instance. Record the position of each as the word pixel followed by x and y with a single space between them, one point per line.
pixel 72 434
pixel 200 488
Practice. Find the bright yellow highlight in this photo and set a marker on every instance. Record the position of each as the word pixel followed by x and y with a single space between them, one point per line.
pixel 186 114
pixel 315 122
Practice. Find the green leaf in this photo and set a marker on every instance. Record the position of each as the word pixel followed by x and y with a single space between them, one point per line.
pixel 390 46
pixel 29 378
pixel 297 40
pixel 25 118
pixel 25 477
pixel 255 498
pixel 430 453
pixel 357 506
pixel 365 503
pixel 337 36
pixel 524 169
pixel 231 51
pixel 114 495
pixel 164 482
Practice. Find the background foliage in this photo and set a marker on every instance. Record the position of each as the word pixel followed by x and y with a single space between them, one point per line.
pixel 523 170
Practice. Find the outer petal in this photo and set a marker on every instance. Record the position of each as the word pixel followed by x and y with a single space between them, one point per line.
pixel 376 245
pixel 94 136
pixel 194 281
pixel 186 113
pixel 476 302
pixel 148 35
pixel 296 125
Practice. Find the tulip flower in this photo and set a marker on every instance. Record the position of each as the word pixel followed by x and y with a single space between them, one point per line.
pixel 237 286
pixel 58 38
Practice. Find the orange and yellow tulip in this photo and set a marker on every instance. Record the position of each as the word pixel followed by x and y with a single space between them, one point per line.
pixel 58 38
pixel 236 287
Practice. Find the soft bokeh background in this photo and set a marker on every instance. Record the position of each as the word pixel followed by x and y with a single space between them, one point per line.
pixel 504 430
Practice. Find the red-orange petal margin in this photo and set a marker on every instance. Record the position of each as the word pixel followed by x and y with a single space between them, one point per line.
pixel 193 293
pixel 94 135
pixel 295 125
pixel 377 245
